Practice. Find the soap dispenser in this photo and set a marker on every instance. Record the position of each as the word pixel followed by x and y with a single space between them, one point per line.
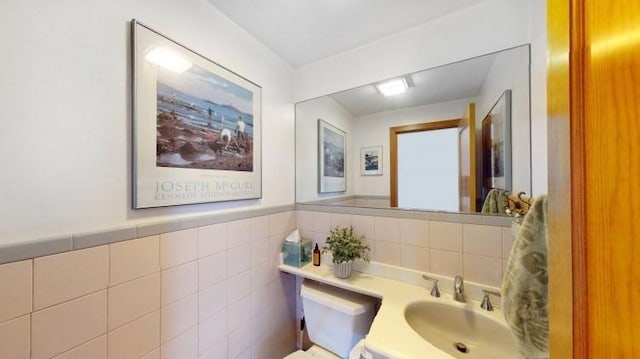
pixel 316 256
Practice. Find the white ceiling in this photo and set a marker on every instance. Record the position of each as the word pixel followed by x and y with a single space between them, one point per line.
pixel 450 82
pixel 306 31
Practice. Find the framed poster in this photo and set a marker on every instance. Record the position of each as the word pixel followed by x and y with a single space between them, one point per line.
pixel 332 145
pixel 496 146
pixel 371 161
pixel 196 126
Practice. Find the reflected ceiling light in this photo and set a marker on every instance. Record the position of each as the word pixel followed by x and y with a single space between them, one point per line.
pixel 168 59
pixel 392 87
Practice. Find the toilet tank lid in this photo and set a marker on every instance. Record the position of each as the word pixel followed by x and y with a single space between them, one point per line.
pixel 343 300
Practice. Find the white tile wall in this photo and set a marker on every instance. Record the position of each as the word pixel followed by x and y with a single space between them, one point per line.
pixel 136 338
pixel 166 296
pixel 178 317
pixel 15 338
pixel 133 259
pixel 83 319
pixel 212 239
pixel 178 247
pixel 131 300
pixel 184 346
pixel 15 289
pixel 62 277
pixel 178 282
pixel 95 349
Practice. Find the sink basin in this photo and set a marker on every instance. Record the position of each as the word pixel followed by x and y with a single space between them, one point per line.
pixel 461 331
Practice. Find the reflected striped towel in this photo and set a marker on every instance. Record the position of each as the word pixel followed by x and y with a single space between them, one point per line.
pixel 524 287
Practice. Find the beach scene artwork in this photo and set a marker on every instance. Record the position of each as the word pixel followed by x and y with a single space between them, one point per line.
pixel 203 121
pixel 333 145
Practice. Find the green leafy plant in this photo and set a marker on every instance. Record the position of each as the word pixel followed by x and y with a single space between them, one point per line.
pixel 344 245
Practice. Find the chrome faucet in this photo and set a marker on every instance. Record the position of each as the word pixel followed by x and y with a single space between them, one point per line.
pixel 486 303
pixel 435 292
pixel 458 290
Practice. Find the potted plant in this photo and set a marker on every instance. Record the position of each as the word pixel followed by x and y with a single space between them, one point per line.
pixel 345 246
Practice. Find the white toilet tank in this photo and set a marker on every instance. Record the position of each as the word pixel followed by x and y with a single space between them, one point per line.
pixel 336 319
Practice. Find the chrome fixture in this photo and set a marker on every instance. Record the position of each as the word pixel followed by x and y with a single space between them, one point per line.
pixel 435 292
pixel 486 303
pixel 458 290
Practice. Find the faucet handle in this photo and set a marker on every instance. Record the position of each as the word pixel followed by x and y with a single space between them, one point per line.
pixel 486 303
pixel 435 292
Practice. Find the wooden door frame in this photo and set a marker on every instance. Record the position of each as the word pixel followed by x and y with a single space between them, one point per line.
pixel 393 149
pixel 568 311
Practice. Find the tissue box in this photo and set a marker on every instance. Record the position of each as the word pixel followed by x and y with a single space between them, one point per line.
pixel 297 254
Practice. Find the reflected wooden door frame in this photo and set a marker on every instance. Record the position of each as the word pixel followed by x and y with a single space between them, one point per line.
pixel 393 149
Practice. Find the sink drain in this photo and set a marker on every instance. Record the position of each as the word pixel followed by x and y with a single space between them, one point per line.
pixel 461 348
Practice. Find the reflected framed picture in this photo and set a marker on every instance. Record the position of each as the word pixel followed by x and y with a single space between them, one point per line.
pixel 371 161
pixel 496 146
pixel 196 126
pixel 332 146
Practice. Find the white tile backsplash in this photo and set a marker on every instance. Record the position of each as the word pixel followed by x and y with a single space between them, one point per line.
pixel 482 269
pixel 414 232
pixel 482 240
pixel 388 252
pixel 445 236
pixel 363 225
pixel 387 229
pixel 447 263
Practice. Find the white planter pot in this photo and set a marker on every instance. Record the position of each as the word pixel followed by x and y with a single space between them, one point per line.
pixel 342 269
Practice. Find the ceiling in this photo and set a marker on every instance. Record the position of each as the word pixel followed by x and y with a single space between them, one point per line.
pixel 450 82
pixel 306 31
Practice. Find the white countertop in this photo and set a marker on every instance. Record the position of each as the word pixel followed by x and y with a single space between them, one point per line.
pixel 390 334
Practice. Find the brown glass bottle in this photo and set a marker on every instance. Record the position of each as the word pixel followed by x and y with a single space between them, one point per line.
pixel 316 256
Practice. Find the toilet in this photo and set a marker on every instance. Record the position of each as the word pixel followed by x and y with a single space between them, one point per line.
pixel 336 320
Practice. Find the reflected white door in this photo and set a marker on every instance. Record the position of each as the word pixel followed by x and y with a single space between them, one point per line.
pixel 428 170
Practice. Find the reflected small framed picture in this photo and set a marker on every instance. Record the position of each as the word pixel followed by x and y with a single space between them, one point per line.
pixel 371 161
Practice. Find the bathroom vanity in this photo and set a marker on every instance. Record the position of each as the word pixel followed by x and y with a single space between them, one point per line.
pixel 413 324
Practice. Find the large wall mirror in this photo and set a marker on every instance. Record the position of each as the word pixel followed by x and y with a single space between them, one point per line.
pixel 456 131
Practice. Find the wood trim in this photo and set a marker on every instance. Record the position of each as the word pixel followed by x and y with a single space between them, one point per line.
pixel 393 149
pixel 473 176
pixel 560 255
pixel 577 56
